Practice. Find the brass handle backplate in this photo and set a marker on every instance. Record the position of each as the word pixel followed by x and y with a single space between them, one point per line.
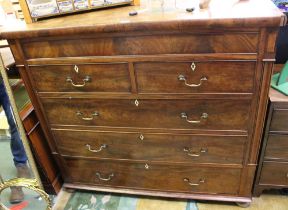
pixel 183 78
pixel 191 153
pixel 85 80
pixel 103 146
pixel 78 113
pixel 185 116
pixel 110 176
pixel 200 181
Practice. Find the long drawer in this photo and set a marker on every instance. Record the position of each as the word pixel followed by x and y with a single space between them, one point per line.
pixel 109 77
pixel 143 45
pixel 150 146
pixel 195 77
pixel 163 113
pixel 180 178
pixel 274 173
pixel 277 147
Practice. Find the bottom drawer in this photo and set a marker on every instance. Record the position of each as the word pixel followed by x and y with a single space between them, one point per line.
pixel 161 177
pixel 274 173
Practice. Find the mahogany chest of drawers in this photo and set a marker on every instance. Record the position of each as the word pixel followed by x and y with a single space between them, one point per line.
pixel 164 103
pixel 273 165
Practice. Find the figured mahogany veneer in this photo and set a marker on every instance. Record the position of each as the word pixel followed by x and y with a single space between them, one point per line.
pixel 221 114
pixel 151 146
pixel 173 178
pixel 104 77
pixel 222 76
pixel 172 103
pixel 143 45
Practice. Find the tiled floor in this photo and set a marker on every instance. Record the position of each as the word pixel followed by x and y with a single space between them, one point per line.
pixel 66 201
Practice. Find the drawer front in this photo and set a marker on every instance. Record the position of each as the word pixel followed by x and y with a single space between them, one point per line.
pixel 154 176
pixel 194 77
pixel 155 147
pixel 143 45
pixel 81 78
pixel 174 114
pixel 274 173
pixel 279 120
pixel 277 147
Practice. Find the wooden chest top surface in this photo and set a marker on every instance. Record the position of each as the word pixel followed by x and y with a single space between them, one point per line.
pixel 234 13
pixel 276 96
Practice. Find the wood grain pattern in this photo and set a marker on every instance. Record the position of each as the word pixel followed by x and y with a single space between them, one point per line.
pixel 109 77
pixel 274 173
pixel 142 45
pixel 222 115
pixel 222 76
pixel 151 146
pixel 279 120
pixel 156 177
pixel 277 147
pixel 145 58
pixel 241 14
pixel 234 44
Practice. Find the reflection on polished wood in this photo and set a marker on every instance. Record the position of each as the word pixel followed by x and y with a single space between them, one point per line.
pixel 217 16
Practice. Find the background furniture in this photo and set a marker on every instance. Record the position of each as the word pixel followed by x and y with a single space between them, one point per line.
pixel 272 171
pixel 48 170
pixel 164 103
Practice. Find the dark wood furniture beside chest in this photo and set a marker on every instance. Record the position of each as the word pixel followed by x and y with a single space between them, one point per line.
pixel 163 103
pixel 273 164
pixel 47 167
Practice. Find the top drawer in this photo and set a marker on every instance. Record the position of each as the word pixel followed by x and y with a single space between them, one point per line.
pixel 195 77
pixel 279 120
pixel 142 45
pixel 105 77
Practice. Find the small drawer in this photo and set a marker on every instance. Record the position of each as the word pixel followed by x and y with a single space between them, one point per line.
pixel 195 77
pixel 150 146
pixel 274 173
pixel 178 178
pixel 142 45
pixel 279 120
pixel 109 77
pixel 277 147
pixel 162 113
